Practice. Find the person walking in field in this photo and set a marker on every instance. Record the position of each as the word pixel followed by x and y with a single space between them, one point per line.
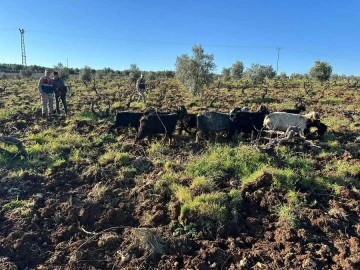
pixel 46 91
pixel 140 87
pixel 60 93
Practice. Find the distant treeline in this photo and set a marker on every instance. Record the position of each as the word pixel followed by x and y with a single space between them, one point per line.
pixel 16 68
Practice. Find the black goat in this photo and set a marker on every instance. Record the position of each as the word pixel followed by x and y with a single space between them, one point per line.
pixel 155 123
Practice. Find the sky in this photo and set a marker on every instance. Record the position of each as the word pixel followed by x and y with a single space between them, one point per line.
pixel 152 34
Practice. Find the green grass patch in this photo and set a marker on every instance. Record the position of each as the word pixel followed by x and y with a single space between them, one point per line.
pixel 285 178
pixel 225 161
pixel 211 205
pixel 182 193
pixel 158 150
pixel 201 184
pixel 292 160
pixel 98 192
pixel 19 207
pixel 14 204
pixel 293 198
pixel 111 156
pixel 7 113
pixel 337 123
pixel 77 155
pixel 7 154
pixel 53 149
pixel 287 215
pixel 344 168
pixel 87 115
pixel 220 207
pixel 256 174
pixel 123 159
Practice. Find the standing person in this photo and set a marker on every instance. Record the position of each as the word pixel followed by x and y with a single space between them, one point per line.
pixel 140 87
pixel 46 91
pixel 60 93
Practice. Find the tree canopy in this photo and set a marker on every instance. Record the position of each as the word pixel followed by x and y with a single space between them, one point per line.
pixel 236 70
pixel 321 71
pixel 258 73
pixel 195 72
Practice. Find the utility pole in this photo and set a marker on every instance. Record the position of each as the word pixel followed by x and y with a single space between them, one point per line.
pixel 23 55
pixel 277 63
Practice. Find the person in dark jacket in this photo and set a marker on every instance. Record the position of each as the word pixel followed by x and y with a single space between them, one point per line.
pixel 46 91
pixel 60 93
pixel 140 87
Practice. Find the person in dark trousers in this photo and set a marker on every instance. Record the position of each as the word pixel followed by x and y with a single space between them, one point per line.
pixel 46 91
pixel 140 87
pixel 60 93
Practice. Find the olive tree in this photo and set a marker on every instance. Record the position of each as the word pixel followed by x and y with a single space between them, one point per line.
pixel 195 72
pixel 258 73
pixel 85 75
pixel 282 76
pixel 225 74
pixel 321 71
pixel 237 70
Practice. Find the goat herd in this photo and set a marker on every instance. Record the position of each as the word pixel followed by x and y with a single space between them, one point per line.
pixel 237 120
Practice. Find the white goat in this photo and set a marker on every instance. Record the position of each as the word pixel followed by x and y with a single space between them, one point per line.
pixel 282 121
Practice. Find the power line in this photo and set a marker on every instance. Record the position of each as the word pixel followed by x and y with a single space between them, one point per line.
pixel 174 43
pixel 145 41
